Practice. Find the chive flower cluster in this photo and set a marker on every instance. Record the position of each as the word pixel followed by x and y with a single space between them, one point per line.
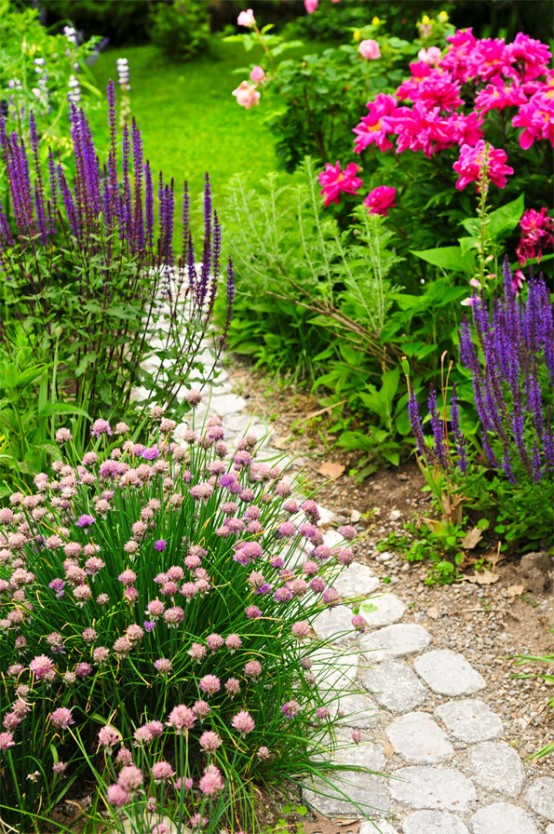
pixel 164 594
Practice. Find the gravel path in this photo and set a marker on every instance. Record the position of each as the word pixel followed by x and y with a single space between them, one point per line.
pixel 419 709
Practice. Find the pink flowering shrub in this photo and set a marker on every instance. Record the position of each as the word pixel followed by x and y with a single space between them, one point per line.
pixel 150 593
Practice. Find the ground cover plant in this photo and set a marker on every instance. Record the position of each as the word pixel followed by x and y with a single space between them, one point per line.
pixel 150 594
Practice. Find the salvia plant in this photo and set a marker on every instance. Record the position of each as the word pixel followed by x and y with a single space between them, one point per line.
pixel 156 642
pixel 91 273
pixel 507 467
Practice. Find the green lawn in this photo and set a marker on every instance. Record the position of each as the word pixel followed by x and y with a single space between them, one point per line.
pixel 189 120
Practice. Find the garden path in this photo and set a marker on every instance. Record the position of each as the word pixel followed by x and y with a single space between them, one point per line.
pixel 419 711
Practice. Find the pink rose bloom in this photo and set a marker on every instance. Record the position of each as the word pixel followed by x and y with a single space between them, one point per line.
pixel 429 56
pixel 246 95
pixel 311 5
pixel 257 74
pixel 470 165
pixel 369 50
pixel 380 200
pixel 335 181
pixel 246 19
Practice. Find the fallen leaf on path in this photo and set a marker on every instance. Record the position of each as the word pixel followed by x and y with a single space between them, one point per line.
pixel 514 590
pixel 388 749
pixel 472 538
pixel 331 469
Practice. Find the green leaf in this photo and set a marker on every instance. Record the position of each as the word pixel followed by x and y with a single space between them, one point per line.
pixel 447 257
pixel 504 220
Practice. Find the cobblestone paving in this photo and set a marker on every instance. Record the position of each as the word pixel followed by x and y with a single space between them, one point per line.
pixel 418 711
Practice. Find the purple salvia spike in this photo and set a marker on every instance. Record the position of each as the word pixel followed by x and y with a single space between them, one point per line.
pixel 230 296
pixel 149 206
pixel 138 221
pixel 126 202
pixel 186 216
pixel 507 468
pixel 536 463
pixel 459 438
pixel 417 430
pixel 438 434
pixel 115 211
pixel 69 204
pixel 5 231
pixel 206 251
pixel 53 201
pixel 39 200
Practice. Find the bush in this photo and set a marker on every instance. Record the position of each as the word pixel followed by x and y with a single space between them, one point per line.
pixel 95 289
pixel 181 28
pixel 150 596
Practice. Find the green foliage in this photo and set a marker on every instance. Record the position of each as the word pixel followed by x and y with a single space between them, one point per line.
pixel 546 673
pixel 180 28
pixel 35 69
pixel 122 22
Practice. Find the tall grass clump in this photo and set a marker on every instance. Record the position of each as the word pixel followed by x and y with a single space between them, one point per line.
pixel 156 648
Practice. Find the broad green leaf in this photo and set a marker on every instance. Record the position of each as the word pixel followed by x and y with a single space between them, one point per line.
pixel 447 257
pixel 504 220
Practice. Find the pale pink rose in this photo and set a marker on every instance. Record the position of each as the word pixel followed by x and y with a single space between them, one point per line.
pixel 257 74
pixel 246 95
pixel 311 5
pixel 429 56
pixel 369 50
pixel 246 19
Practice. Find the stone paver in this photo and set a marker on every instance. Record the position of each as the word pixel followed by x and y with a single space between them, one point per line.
pixel 448 673
pixel 382 610
pixel 469 720
pixel 418 739
pixel 497 767
pixel 501 818
pixel 434 822
pixel 335 624
pixel 540 797
pixel 359 711
pixel 394 641
pixel 356 581
pixel 394 686
pixel 433 788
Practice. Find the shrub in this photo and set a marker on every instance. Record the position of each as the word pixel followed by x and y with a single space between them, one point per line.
pixel 94 285
pixel 150 597
pixel 181 28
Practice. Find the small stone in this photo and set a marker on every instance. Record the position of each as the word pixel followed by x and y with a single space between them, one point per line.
pixel 356 581
pixel 433 822
pixel 382 610
pixel 418 739
pixel 395 641
pixel 335 624
pixel 355 516
pixel 448 673
pixel 469 720
pixel 497 767
pixel 540 797
pixel 394 686
pixel 433 788
pixel 549 829
pixel 502 818
pixel 385 556
pixel 395 515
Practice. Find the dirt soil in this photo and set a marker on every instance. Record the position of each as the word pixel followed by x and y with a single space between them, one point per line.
pixel 491 616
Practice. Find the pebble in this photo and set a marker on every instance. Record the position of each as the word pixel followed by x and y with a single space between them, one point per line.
pixel 540 797
pixel 433 822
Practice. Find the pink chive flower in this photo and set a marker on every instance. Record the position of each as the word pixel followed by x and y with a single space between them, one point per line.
pixel 100 427
pixel 243 722
pixel 246 95
pixel 162 771
pixel 470 164
pixel 61 718
pixel 246 19
pixel 210 741
pixel 335 181
pixel 6 741
pixel 209 684
pixel 369 50
pixel 359 623
pixel 63 436
pixel 257 74
pixel 116 796
pixel 537 236
pixel 212 781
pixel 108 737
pixel 381 200
pixel 130 778
pixel 181 718
pixel 356 736
pixel 42 668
